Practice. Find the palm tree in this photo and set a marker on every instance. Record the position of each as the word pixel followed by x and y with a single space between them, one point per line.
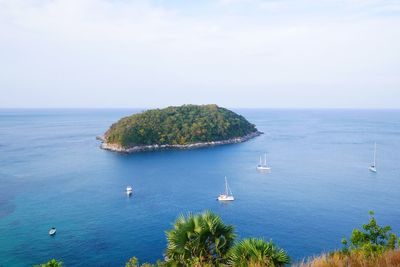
pixel 257 253
pixel 199 239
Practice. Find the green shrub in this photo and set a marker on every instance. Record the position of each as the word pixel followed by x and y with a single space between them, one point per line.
pixel 371 239
pixel 51 263
pixel 134 262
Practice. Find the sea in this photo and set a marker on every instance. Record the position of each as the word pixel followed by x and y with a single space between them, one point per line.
pixel 54 174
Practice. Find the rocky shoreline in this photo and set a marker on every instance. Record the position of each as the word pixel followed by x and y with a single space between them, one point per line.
pixel 118 148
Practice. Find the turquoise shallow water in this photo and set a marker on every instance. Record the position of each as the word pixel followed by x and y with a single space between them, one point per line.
pixel 52 173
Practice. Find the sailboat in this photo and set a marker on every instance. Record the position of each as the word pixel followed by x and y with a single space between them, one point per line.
pixel 261 166
pixel 227 196
pixel 372 168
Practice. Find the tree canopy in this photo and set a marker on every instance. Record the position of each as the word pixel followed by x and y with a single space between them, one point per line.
pixel 181 125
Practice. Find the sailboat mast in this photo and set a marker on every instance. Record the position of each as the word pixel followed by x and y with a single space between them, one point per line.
pixel 375 155
pixel 226 186
pixel 260 161
pixel 265 159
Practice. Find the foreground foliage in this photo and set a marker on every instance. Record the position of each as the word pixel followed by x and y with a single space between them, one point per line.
pixel 134 262
pixel 198 239
pixel 51 263
pixel 257 252
pixel 371 239
pixel 371 246
pixel 389 258
pixel 178 125
pixel 203 240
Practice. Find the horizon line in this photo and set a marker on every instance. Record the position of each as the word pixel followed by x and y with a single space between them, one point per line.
pixel 231 107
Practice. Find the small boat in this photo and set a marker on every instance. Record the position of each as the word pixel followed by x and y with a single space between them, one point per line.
pixel 129 190
pixel 227 196
pixel 372 168
pixel 263 167
pixel 52 231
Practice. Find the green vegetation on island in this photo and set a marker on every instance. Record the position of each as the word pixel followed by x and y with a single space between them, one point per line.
pixel 204 240
pixel 183 125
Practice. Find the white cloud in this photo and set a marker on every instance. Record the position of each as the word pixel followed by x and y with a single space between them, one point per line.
pixel 135 53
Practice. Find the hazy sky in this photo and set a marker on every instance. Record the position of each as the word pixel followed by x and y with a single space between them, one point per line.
pixel 235 53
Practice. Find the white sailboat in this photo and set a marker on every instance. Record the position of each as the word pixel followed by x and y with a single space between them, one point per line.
pixel 372 168
pixel 263 167
pixel 227 196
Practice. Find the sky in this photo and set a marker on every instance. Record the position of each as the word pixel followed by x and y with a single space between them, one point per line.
pixel 234 53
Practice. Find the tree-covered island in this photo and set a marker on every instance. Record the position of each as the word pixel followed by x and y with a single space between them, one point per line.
pixel 187 126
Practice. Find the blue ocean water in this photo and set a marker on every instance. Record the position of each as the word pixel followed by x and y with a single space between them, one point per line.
pixel 52 173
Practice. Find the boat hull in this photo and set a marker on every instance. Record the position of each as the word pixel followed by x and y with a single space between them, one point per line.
pixel 225 198
pixel 52 232
pixel 263 168
pixel 372 169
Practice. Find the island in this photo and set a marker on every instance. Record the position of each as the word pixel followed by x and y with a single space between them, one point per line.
pixel 187 126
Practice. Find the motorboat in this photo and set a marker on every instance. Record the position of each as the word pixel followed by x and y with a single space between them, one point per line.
pixel 129 190
pixel 52 231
